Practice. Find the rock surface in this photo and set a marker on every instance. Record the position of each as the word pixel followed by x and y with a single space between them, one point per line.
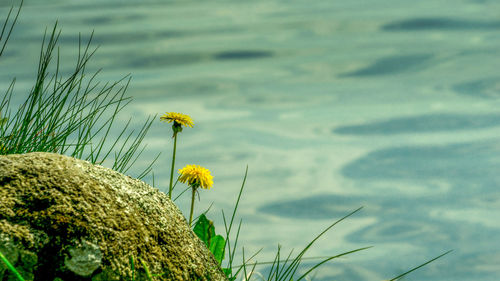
pixel 65 219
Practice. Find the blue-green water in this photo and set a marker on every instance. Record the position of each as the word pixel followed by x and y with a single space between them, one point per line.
pixel 391 105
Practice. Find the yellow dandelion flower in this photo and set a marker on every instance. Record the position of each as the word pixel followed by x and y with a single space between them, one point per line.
pixel 177 118
pixel 196 176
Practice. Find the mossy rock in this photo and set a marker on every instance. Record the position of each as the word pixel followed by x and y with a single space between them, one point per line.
pixel 63 218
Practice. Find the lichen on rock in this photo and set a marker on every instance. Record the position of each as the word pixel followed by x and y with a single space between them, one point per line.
pixel 66 219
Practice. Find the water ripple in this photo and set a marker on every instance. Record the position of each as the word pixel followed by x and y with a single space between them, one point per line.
pixel 418 24
pixel 242 54
pixel 484 88
pixel 423 123
pixel 392 65
pixel 470 162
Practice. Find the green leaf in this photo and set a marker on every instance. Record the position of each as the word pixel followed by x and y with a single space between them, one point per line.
pixel 204 229
pixel 228 272
pixel 217 246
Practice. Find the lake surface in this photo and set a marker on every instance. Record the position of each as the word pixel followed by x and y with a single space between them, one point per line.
pixel 391 105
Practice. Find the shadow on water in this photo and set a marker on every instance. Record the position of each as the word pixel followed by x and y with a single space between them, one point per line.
pixel 108 39
pixel 422 24
pixel 242 54
pixel 163 60
pixel 483 88
pixel 314 207
pixel 170 59
pixel 430 220
pixel 111 19
pixel 392 65
pixel 468 169
pixel 422 124
pixel 476 162
pixel 395 227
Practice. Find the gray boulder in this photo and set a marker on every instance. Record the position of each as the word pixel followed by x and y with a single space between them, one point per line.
pixel 65 219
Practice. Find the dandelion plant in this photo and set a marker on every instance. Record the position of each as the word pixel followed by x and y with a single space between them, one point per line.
pixel 178 120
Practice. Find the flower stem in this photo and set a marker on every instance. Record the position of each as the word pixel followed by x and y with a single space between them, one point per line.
pixel 172 170
pixel 192 205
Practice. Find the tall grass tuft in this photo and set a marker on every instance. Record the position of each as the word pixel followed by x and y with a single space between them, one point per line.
pixel 63 109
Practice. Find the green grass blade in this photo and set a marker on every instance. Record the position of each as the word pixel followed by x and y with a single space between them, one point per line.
pixel 11 267
pixel 11 26
pixel 187 188
pixel 276 259
pixel 284 267
pixel 229 228
pixel 146 269
pixel 240 267
pixel 204 212
pixel 132 267
pixel 271 262
pixel 247 276
pixel 238 200
pixel 330 258
pixel 417 267
pixel 290 271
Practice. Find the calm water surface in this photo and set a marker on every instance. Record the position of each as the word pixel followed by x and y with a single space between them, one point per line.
pixel 391 105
